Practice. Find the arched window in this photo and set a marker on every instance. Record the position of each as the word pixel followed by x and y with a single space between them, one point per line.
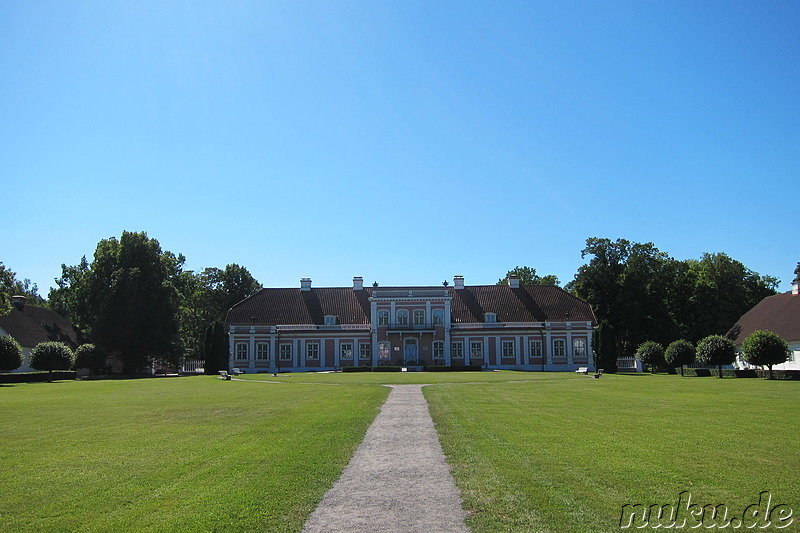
pixel 383 317
pixel 559 348
pixel 402 317
pixel 579 347
pixel 419 317
pixel 438 317
pixel 241 351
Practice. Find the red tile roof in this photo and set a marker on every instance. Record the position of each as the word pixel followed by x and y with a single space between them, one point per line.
pixel 779 314
pixel 526 304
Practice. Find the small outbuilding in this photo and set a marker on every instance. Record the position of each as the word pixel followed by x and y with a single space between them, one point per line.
pixel 31 325
pixel 779 314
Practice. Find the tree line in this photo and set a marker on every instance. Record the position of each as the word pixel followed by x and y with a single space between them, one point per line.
pixel 639 293
pixel 137 301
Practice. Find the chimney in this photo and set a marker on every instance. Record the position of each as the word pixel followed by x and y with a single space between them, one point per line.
pixel 358 283
pixel 796 288
pixel 513 281
pixel 458 282
pixel 18 301
pixel 305 284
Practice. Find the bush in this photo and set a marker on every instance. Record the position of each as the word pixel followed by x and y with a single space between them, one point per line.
pixel 716 350
pixel 10 353
pixel 679 353
pixel 91 357
pixel 765 348
pixel 651 354
pixel 52 356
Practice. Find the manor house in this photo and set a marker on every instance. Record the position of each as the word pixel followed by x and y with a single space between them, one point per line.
pixel 540 327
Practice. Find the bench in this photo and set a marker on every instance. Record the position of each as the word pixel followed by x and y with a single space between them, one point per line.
pixel 598 374
pixel 237 372
pixel 224 374
pixel 583 370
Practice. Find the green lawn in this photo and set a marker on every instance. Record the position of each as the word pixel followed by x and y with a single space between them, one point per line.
pixel 566 454
pixel 530 451
pixel 179 454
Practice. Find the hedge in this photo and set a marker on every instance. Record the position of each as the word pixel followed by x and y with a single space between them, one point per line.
pixel 453 368
pixel 730 373
pixel 37 377
pixel 432 368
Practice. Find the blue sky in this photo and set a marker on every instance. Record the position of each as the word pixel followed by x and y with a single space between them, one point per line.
pixel 401 141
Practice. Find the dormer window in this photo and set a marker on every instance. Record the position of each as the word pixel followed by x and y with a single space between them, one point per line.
pixel 330 320
pixel 490 318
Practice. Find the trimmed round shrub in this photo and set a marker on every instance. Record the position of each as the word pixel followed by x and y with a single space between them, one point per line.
pixel 765 348
pixel 52 356
pixel 651 354
pixel 10 353
pixel 679 353
pixel 91 357
pixel 716 350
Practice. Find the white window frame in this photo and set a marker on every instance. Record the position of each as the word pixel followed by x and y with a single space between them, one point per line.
pixel 286 352
pixel 419 317
pixel 262 351
pixel 579 347
pixel 559 348
pixel 402 317
pixel 383 317
pixel 476 350
pixel 536 348
pixel 242 348
pixel 346 351
pixel 490 318
pixel 457 349
pixel 330 320
pixel 438 349
pixel 508 349
pixel 312 351
pixel 364 351
pixel 438 317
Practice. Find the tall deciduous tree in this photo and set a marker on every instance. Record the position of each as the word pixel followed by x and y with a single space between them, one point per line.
pixel 216 349
pixel 528 276
pixel 134 309
pixel 206 298
pixel 605 346
pixel 716 350
pixel 765 348
pixel 71 296
pixel 724 289
pixel 645 294
pixel 624 283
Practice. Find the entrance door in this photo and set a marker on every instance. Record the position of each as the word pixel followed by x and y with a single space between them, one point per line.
pixel 411 349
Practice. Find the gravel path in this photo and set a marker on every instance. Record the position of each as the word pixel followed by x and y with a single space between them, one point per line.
pixel 398 480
